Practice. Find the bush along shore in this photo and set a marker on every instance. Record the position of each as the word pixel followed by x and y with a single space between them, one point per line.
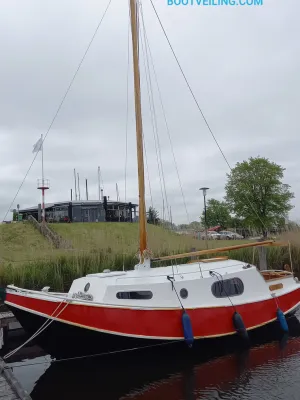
pixel 58 272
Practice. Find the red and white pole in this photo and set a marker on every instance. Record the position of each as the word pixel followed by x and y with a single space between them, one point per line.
pixel 43 204
pixel 43 185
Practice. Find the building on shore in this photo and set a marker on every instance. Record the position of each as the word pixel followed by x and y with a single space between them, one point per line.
pixel 84 211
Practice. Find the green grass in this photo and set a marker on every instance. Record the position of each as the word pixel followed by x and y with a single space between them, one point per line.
pixel 28 260
pixel 19 242
pixel 122 238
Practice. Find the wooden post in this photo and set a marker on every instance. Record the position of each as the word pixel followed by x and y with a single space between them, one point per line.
pixel 262 254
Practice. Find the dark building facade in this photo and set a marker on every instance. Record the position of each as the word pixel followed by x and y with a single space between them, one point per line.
pixel 84 211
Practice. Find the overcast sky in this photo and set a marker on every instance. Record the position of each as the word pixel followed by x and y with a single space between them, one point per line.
pixel 243 64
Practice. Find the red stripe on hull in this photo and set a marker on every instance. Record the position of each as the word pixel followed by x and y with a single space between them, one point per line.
pixel 156 323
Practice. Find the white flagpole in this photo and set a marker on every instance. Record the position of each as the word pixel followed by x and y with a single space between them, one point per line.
pixel 42 148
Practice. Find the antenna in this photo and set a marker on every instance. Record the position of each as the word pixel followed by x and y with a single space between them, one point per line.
pixel 86 189
pixel 71 195
pixel 78 186
pixel 75 184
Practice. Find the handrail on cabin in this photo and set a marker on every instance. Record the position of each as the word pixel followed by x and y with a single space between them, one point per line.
pixel 221 249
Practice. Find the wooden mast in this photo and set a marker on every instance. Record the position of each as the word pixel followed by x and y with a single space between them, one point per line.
pixel 139 129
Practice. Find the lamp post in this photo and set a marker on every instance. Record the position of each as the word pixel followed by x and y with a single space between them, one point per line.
pixel 204 191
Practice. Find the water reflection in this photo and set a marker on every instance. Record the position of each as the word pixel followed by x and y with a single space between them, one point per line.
pixel 269 370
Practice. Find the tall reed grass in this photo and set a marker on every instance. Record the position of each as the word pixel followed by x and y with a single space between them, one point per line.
pixel 59 272
pixel 27 259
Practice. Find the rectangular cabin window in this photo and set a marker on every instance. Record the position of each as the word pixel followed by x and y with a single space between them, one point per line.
pixel 227 288
pixel 139 295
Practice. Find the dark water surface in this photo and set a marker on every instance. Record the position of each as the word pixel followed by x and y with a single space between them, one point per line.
pixel 270 369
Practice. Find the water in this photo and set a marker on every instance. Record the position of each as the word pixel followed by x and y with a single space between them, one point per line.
pixel 268 370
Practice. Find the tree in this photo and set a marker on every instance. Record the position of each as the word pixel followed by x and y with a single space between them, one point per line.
pixel 152 216
pixel 195 225
pixel 255 193
pixel 15 215
pixel 217 213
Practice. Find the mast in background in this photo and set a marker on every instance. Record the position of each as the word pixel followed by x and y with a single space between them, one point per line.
pixel 78 186
pixel 86 189
pixel 75 184
pixel 99 186
pixel 117 192
pixel 43 184
pixel 139 129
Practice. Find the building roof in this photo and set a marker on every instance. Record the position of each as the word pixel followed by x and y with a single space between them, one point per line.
pixel 214 228
pixel 74 203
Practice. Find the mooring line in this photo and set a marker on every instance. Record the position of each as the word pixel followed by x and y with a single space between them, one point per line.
pixel 44 326
pixel 97 355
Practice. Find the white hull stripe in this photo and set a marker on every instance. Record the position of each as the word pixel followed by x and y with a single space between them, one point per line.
pixel 36 295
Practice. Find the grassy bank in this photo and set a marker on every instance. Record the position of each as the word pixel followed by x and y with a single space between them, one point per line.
pixel 28 260
pixel 59 272
pixel 20 242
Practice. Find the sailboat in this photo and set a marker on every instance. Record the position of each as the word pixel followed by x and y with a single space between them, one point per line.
pixel 146 306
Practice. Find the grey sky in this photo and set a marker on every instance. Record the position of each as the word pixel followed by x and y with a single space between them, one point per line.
pixel 242 62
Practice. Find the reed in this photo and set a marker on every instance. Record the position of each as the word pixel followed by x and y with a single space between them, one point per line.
pixel 59 272
pixel 28 260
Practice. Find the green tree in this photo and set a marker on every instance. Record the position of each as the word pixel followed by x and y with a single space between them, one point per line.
pixel 15 215
pixel 217 213
pixel 183 226
pixel 152 216
pixel 195 225
pixel 256 194
pixel 167 224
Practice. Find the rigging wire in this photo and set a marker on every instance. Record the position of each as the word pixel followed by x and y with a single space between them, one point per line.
pixel 198 106
pixel 147 168
pixel 127 103
pixel 152 122
pixel 155 121
pixel 153 118
pixel 143 137
pixel 172 280
pixel 215 273
pixel 157 135
pixel 165 117
pixel 61 103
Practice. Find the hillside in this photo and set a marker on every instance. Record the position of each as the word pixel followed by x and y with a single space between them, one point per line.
pixel 27 259
pixel 122 238
pixel 21 242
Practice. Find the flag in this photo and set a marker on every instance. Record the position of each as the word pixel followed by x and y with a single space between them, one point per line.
pixel 38 146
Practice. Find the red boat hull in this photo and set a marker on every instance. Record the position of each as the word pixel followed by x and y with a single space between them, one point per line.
pixel 154 324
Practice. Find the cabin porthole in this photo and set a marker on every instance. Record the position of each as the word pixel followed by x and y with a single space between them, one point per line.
pixel 183 293
pixel 87 286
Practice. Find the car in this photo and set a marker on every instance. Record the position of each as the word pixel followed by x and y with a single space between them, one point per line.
pixel 228 235
pixel 211 236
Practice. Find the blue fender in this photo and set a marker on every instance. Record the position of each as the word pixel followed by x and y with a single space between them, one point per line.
pixel 239 325
pixel 187 329
pixel 282 320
